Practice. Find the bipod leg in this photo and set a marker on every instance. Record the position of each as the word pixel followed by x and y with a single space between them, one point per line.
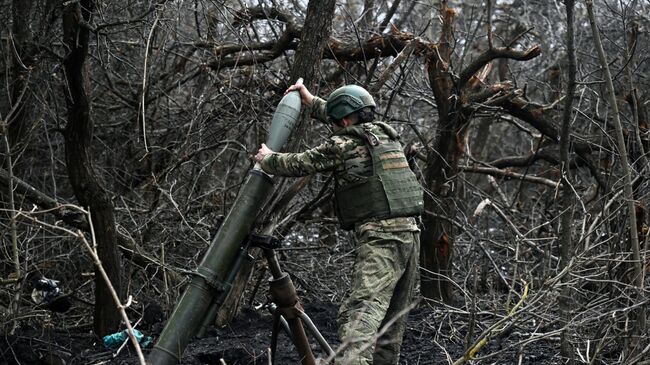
pixel 277 321
pixel 274 336
pixel 283 294
pixel 311 327
pixel 316 333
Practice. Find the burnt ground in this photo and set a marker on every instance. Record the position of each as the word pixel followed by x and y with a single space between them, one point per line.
pixel 435 334
pixel 432 338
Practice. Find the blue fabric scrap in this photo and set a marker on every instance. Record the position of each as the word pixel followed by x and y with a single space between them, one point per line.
pixel 117 339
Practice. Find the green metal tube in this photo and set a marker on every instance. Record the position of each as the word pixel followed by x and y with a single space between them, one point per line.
pixel 213 270
pixel 221 295
pixel 195 302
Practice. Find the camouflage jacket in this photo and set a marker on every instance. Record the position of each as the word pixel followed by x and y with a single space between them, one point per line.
pixel 344 156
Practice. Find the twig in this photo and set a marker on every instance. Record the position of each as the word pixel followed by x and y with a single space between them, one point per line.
pixel 125 341
pixel 517 232
pixel 406 52
pixel 489 24
pixel 68 214
pixel 494 329
pixel 144 82
pixel 509 175
pixel 14 238
pixel 567 202
pixel 389 15
pixel 93 253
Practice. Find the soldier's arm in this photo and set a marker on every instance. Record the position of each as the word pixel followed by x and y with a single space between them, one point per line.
pixel 324 157
pixel 317 109
pixel 315 105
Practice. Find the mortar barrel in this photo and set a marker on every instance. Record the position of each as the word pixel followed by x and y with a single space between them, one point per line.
pixel 195 303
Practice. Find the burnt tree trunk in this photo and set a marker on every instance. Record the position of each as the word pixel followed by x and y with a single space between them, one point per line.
pixel 456 101
pixel 442 165
pixel 78 155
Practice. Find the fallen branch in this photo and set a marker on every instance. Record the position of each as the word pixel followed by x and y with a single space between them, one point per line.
pixel 485 337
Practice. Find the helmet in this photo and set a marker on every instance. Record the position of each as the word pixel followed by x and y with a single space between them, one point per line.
pixel 347 100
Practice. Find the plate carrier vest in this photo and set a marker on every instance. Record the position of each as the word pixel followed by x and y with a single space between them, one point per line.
pixel 392 190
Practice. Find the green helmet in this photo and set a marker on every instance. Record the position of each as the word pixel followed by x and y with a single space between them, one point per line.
pixel 347 100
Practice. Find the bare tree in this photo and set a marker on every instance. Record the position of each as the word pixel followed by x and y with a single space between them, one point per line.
pixel 455 100
pixel 567 202
pixel 79 161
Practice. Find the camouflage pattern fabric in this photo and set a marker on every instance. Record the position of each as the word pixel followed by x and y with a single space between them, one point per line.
pixel 317 109
pixel 346 156
pixel 386 252
pixel 381 291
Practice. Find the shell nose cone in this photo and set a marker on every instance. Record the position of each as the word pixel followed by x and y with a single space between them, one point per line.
pixel 284 119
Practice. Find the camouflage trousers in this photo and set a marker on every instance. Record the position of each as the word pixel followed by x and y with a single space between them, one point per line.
pixel 372 318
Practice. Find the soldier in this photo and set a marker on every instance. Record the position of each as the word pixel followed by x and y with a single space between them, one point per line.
pixel 379 197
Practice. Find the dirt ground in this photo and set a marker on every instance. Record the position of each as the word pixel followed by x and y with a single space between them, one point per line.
pixel 435 334
pixel 429 339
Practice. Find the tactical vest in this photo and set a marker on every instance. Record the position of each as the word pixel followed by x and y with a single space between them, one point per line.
pixel 391 191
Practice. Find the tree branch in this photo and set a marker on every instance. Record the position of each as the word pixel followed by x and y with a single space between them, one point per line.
pixel 248 15
pixel 509 175
pixel 376 46
pixel 492 54
pixel 533 114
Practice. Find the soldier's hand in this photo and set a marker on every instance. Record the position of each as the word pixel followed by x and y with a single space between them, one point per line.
pixel 305 96
pixel 263 151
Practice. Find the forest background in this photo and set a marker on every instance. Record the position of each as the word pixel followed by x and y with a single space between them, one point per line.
pixel 129 125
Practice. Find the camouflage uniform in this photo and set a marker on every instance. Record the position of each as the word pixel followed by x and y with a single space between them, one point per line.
pixel 387 252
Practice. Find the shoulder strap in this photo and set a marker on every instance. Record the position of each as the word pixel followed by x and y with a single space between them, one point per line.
pixel 357 130
pixel 362 132
pixel 390 131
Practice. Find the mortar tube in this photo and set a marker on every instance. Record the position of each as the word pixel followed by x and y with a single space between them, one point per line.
pixel 195 302
pixel 223 293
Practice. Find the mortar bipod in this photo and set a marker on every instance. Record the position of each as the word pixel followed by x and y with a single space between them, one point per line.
pixel 286 306
pixel 272 308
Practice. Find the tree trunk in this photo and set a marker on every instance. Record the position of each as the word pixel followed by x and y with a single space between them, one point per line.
pixel 437 237
pixel 315 33
pixel 313 39
pixel 454 98
pixel 637 279
pixel 78 156
pixel 565 299
pixel 21 64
